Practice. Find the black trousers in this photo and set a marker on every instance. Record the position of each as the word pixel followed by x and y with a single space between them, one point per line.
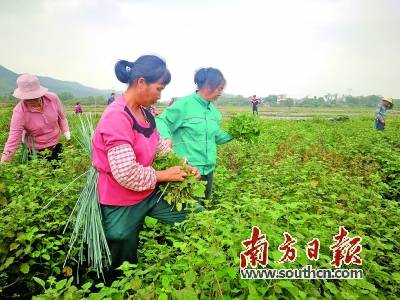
pixel 209 178
pixel 255 110
pixel 52 153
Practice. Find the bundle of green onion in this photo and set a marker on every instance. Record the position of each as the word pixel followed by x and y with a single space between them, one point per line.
pixel 179 194
pixel 26 151
pixel 88 230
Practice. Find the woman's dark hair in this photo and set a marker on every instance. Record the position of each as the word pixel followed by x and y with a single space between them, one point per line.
pixel 150 67
pixel 210 77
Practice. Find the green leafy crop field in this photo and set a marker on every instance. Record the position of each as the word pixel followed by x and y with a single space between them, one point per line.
pixel 305 177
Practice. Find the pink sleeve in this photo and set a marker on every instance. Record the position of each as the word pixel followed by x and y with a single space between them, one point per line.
pixel 114 128
pixel 62 120
pixel 14 137
pixel 128 172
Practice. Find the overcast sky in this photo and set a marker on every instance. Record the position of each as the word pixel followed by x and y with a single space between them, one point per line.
pixel 307 47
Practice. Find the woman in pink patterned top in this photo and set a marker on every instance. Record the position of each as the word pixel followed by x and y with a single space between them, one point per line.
pixel 78 108
pixel 38 116
pixel 125 144
pixel 255 102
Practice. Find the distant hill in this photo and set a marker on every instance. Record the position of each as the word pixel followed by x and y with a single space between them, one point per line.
pixel 8 83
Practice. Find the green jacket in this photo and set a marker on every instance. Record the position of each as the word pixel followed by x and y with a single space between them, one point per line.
pixel 194 125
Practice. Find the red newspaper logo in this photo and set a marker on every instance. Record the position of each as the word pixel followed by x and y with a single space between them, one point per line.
pixel 289 252
pixel 346 249
pixel 256 250
pixel 313 247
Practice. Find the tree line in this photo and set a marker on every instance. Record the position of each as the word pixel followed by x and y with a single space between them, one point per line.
pixel 328 100
pixel 66 98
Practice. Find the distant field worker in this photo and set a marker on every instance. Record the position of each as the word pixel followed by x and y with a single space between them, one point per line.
pixel 39 115
pixel 125 144
pixel 387 103
pixel 193 123
pixel 111 99
pixel 78 108
pixel 255 102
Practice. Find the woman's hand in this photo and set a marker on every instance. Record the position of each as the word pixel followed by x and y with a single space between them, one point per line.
pixel 169 143
pixel 67 135
pixel 171 174
pixel 194 171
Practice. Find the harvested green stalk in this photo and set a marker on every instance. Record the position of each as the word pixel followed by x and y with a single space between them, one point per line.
pixel 26 151
pixel 179 194
pixel 88 229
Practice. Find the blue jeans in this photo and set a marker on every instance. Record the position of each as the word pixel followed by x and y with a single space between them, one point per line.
pixel 379 125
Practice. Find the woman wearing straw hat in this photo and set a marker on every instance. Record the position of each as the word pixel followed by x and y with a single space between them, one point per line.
pixel 387 103
pixel 39 117
pixel 125 144
pixel 194 124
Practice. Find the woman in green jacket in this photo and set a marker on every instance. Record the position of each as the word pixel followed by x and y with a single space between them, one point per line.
pixel 193 123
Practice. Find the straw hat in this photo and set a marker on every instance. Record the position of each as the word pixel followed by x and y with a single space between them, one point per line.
pixel 387 99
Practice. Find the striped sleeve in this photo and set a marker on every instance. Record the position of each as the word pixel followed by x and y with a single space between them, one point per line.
pixel 128 172
pixel 163 146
